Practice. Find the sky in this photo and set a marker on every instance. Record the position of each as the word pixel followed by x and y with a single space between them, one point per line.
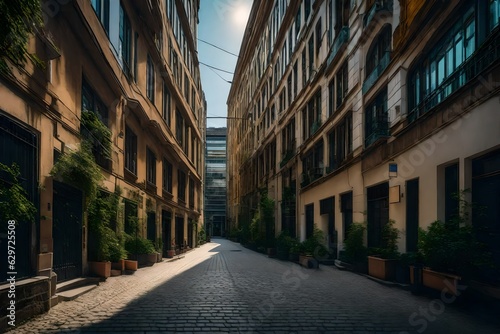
pixel 222 23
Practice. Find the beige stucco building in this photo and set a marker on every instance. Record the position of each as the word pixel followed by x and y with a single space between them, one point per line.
pixel 365 111
pixel 134 64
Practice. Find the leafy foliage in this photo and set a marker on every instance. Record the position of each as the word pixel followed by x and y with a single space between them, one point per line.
pixel 79 169
pixel 14 203
pixel 390 236
pixel 313 245
pixel 139 245
pixel 20 18
pixel 452 246
pixel 355 251
pixel 104 243
pixel 96 133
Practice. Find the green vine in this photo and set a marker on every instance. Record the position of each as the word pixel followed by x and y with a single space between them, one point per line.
pixel 79 169
pixel 96 134
pixel 20 18
pixel 14 204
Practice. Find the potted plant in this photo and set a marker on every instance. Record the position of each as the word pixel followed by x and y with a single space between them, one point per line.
pixel 451 251
pixel 383 263
pixel 102 240
pixel 141 249
pixel 354 255
pixel 313 249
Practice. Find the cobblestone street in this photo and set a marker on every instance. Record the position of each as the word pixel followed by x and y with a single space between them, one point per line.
pixel 223 287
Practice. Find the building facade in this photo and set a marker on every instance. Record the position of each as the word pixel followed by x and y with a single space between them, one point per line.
pixel 365 111
pixel 215 182
pixel 133 64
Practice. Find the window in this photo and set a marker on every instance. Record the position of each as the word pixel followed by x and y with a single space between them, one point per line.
pixel 295 79
pixel 181 186
pixel 166 176
pixel 331 97
pixel 191 193
pixel 311 55
pixel 185 147
pixel 136 47
pixel 150 167
pixel 376 119
pixel 379 52
pixel 494 13
pixel 319 34
pixel 342 12
pixel 91 103
pixel 166 104
pixel 101 8
pixel 342 87
pixel 297 22
pixel 125 37
pixel 444 69
pixel 340 143
pixel 313 159
pixel 288 141
pixel 307 9
pixel 311 116
pixel 179 127
pixel 150 80
pixel 130 151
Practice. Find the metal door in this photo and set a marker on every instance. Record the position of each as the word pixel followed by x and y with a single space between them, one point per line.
pixel 67 231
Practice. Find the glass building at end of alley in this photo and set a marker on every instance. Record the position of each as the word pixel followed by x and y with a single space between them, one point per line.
pixel 215 182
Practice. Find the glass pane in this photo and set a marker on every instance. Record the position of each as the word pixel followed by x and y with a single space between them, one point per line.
pixel 470 38
pixel 459 51
pixel 441 73
pixel 433 76
pixel 450 67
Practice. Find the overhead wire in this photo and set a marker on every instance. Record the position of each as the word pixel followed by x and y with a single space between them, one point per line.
pixel 217 47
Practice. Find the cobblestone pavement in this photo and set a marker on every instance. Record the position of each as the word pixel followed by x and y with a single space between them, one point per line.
pixel 223 287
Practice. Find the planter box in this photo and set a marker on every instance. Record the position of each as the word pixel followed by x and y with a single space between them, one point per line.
pixel 101 269
pixel 151 258
pixel 159 257
pixel 384 269
pixel 440 281
pixel 170 253
pixel 271 252
pixel 130 264
pixel 308 262
pixel 120 265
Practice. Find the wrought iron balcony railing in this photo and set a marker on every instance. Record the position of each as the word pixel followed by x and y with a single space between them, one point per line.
pixel 379 129
pixel 341 40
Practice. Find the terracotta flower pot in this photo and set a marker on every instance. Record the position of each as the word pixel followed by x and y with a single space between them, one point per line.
pixel 101 269
pixel 131 265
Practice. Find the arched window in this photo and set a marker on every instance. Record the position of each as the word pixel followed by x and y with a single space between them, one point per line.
pixel 380 48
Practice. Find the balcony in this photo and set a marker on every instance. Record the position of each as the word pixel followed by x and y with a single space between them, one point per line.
pixel 377 71
pixel 311 175
pixel 379 129
pixel 337 45
pixel 378 6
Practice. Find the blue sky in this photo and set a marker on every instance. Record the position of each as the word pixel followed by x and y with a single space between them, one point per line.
pixel 222 23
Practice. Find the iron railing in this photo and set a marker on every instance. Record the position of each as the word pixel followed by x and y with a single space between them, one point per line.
pixel 341 39
pixel 378 6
